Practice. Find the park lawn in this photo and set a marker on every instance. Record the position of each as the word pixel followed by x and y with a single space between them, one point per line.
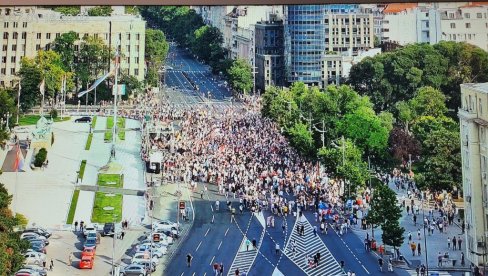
pixel 100 215
pixel 82 169
pixel 32 119
pixel 94 122
pixel 89 141
pixel 110 124
pixel 104 179
pixel 72 207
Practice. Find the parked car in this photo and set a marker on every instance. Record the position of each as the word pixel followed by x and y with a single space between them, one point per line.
pixel 27 272
pixel 86 262
pixel 94 235
pixel 159 238
pixel 35 258
pixel 160 250
pixel 39 231
pixel 37 268
pixel 170 233
pixel 111 229
pixel 85 119
pixel 38 246
pixel 144 256
pixel 33 236
pixel 89 229
pixel 165 225
pixel 133 269
pixel 90 252
pixel 154 252
pixel 90 244
pixel 147 264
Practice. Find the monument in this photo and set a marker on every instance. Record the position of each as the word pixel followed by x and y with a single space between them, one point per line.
pixel 42 136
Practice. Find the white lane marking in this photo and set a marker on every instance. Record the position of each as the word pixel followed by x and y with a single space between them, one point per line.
pixel 198 246
pixel 219 245
pixel 365 269
pixel 213 258
pixel 207 232
pixel 226 231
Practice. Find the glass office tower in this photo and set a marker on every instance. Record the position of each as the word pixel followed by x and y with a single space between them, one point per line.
pixel 305 43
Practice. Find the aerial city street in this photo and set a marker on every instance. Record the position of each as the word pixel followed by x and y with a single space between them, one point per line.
pixel 244 140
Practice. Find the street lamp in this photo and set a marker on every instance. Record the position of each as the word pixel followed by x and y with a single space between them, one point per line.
pixel 111 209
pixel 425 236
pixel 8 116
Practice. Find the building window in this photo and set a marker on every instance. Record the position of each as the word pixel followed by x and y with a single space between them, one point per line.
pixel 12 71
pixel 24 24
pixel 468 25
pixel 138 36
pixel 38 35
pixel 128 36
pixel 5 35
pixel 4 59
pixel 3 73
pixel 24 35
pixel 479 15
pixel 136 72
pixel 127 48
pixel 14 47
pixel 48 35
pixel 5 24
pixel 38 47
pixel 77 47
pixel 137 48
pixel 453 25
pixel 467 15
pixel 13 59
pixel 480 107
pixel 15 35
pixel 16 24
pixel 127 59
pixel 4 48
pixel 136 59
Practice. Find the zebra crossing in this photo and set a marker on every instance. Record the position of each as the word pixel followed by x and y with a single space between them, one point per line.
pixel 413 272
pixel 309 244
pixel 243 261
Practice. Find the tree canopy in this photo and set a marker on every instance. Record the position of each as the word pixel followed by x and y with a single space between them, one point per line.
pixel 240 76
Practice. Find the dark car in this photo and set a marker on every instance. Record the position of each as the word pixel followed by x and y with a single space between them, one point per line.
pixel 110 229
pixel 39 231
pixel 83 120
pixel 90 243
pixel 38 247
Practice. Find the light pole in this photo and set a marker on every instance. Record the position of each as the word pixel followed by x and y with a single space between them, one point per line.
pixel 309 120
pixel 116 72
pixel 322 131
pixel 8 116
pixel 108 209
pixel 18 104
pixel 425 236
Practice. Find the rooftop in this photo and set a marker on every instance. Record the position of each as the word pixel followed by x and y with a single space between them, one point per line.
pixel 480 87
pixel 399 7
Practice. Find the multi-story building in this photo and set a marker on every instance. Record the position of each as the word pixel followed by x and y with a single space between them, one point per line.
pixel 316 36
pixel 270 57
pixel 467 23
pixel 337 66
pixel 406 23
pixel 305 45
pixel 473 117
pixel 27 30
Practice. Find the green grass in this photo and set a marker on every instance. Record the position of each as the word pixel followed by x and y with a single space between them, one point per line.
pixel 82 169
pixel 100 215
pixel 94 122
pixel 110 124
pixel 103 179
pixel 72 207
pixel 89 141
pixel 32 119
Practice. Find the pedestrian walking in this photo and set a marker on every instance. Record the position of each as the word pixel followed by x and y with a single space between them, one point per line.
pixel 318 257
pixel 418 234
pixel 52 263
pixel 419 249
pixel 439 259
pixel 189 257
pixel 248 243
pixel 454 243
pixel 201 194
pixel 315 230
pixel 462 259
pixel 380 264
pixel 122 235
pixel 283 227
pixel 76 226
pixel 409 236
pixel 448 243
pixel 44 263
pixel 390 265
pixel 221 271
pixel 460 241
pixel 254 245
pixel 277 249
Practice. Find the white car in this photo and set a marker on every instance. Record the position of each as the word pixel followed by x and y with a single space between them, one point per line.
pixel 89 229
pixel 144 256
pixel 34 236
pixel 159 251
pixel 165 225
pixel 160 238
pixel 35 258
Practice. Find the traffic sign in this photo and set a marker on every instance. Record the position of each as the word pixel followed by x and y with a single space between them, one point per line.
pixel 182 205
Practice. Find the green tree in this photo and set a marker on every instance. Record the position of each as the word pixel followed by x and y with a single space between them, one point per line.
pixel 428 102
pixel 31 77
pixel 134 10
pixel 301 139
pixel 11 246
pixel 8 103
pixel 132 85
pixel 206 44
pixel 64 45
pixel 52 72
pixel 68 10
pixel 240 76
pixel 385 212
pixel 100 11
pixel 401 144
pixel 156 51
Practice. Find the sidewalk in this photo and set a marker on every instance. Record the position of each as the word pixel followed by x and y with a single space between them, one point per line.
pixel 435 243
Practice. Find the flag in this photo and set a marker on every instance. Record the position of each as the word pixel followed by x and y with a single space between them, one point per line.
pixel 19 159
pixel 95 84
pixel 42 87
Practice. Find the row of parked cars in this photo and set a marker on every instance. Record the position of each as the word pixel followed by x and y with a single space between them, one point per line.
pixel 151 248
pixel 35 257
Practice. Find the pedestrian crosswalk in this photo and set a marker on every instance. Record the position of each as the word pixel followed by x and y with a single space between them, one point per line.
pixel 243 261
pixel 189 71
pixel 308 245
pixel 413 272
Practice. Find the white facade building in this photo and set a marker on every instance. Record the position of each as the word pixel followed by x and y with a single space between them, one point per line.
pixel 27 30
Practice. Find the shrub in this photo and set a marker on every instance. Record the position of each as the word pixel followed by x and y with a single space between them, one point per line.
pixel 40 157
pixel 53 113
